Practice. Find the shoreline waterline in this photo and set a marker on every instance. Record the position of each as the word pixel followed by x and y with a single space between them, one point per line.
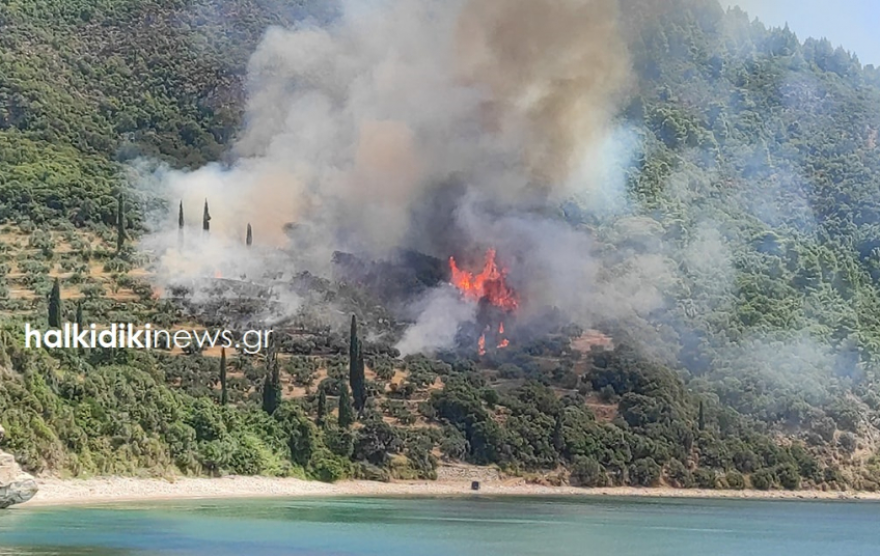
pixel 96 491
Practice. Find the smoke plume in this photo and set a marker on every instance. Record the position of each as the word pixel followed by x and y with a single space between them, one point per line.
pixel 440 127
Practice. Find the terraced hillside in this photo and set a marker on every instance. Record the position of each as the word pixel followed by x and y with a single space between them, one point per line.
pixel 757 145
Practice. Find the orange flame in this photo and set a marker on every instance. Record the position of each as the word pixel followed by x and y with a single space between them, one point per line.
pixel 503 343
pixel 482 344
pixel 489 284
pixel 218 275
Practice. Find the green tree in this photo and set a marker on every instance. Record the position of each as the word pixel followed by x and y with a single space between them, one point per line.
pixel 322 407
pixel 223 392
pixel 272 383
pixel 644 472
pixel 180 225
pixel 346 411
pixel 763 479
pixel 206 218
pixel 587 472
pixel 55 305
pixel 80 322
pixel 789 477
pixel 120 223
pixel 356 376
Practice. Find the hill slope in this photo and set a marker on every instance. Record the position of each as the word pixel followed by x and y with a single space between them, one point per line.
pixel 758 170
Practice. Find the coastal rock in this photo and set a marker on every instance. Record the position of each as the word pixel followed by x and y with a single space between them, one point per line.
pixel 16 486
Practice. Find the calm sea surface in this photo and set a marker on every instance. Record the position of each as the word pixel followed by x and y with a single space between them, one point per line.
pixel 478 526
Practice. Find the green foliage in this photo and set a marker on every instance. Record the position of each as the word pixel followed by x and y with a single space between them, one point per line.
pixel 322 407
pixel 272 382
pixel 735 480
pixel 346 415
pixel 764 479
pixel 645 472
pixel 224 394
pixel 356 378
pixel 588 472
pixel 55 310
pixel 773 327
pixel 678 475
pixel 120 224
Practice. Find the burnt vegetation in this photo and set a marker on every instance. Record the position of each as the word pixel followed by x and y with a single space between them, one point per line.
pixel 771 383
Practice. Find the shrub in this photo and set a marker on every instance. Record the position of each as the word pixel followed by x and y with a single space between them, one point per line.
pixel 735 480
pixel 705 478
pixel 587 472
pixel 788 477
pixel 644 472
pixel 510 371
pixel 848 442
pixel 763 479
pixel 339 441
pixel 329 468
pixel 678 475
pixel 607 394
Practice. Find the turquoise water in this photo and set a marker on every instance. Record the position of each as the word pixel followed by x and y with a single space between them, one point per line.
pixel 479 526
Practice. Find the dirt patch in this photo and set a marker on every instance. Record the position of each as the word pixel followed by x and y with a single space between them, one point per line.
pixel 592 339
pixel 604 412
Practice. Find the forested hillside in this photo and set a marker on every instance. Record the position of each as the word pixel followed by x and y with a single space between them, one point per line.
pixel 757 172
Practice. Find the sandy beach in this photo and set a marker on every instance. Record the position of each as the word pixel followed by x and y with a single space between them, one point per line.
pixel 55 492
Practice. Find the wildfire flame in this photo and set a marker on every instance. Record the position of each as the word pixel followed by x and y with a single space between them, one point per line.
pixel 218 275
pixel 504 342
pixel 490 285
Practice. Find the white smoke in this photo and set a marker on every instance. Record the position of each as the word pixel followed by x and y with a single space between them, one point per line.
pixel 357 131
pixel 441 313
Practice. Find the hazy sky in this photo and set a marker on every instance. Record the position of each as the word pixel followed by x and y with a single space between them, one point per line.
pixel 853 24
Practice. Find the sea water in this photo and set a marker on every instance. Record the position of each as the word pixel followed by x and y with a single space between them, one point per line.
pixel 475 526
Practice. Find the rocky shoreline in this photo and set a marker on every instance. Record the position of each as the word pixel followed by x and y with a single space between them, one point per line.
pixel 16 486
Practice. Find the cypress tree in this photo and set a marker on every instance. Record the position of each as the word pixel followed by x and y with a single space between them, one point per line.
pixel 55 305
pixel 250 235
pixel 271 391
pixel 346 411
pixel 322 407
pixel 180 226
pixel 352 342
pixel 272 384
pixel 360 401
pixel 79 323
pixel 223 393
pixel 558 436
pixel 206 218
pixel 120 223
pixel 356 378
pixel 702 423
